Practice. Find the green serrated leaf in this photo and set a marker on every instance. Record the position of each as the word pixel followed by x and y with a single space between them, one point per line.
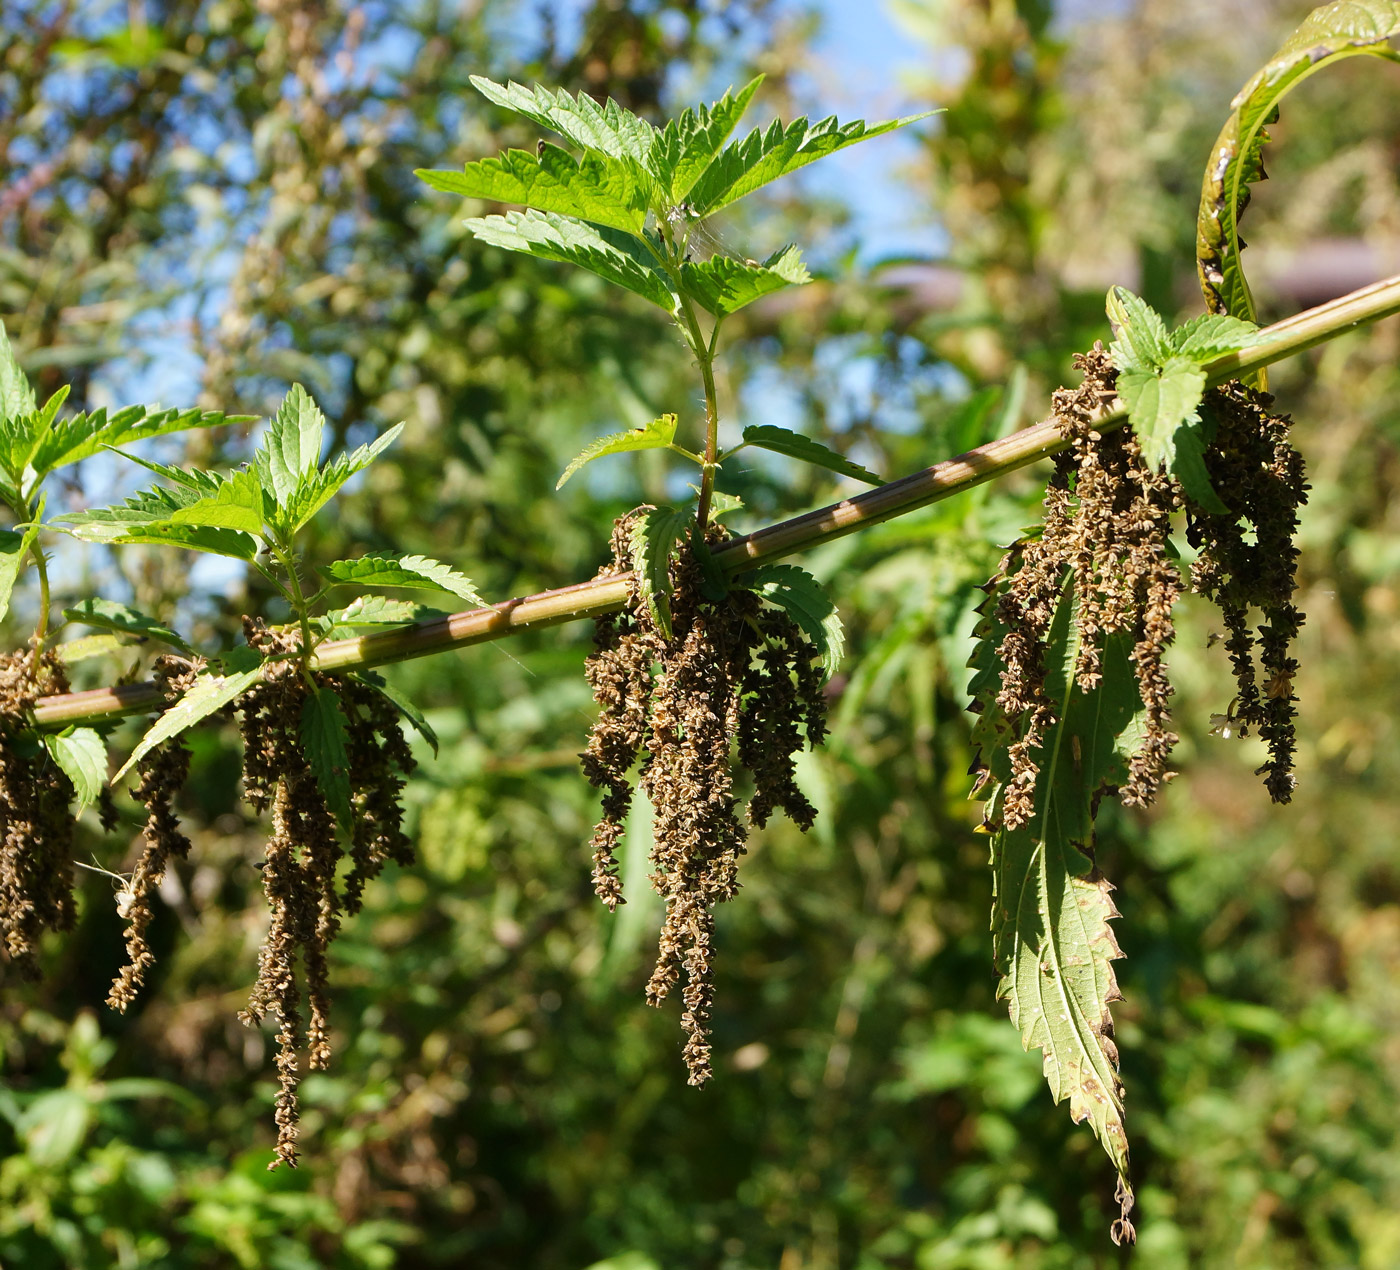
pixel 688 145
pixel 1328 34
pixel 82 754
pixel 380 610
pixel 1164 409
pixel 767 154
pixel 402 704
pixel 240 503
pixel 14 547
pixel 323 743
pixel 598 187
pixel 209 694
pixel 1141 336
pixel 1213 335
pixel 386 569
pixel 654 537
pixel 82 436
pixel 655 435
pixel 200 483
pixel 113 616
pixel 1052 942
pixel 317 489
pixel 723 286
pixel 607 129
pixel 620 259
pixel 796 446
pixel 805 600
pixel 90 646
pixel 722 504
pixel 16 396
pixel 293 444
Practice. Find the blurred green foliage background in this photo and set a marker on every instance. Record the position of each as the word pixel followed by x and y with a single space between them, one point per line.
pixel 214 197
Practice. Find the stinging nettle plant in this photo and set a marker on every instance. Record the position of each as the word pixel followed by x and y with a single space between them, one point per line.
pixel 1172 473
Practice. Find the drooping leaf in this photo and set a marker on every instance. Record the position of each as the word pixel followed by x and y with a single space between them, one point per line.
pixel 293 444
pixel 14 547
pixel 723 285
pixel 82 754
pixel 767 154
pixel 1052 942
pixel 1164 409
pixel 607 129
pixel 402 704
pixel 318 488
pixel 420 572
pixel 796 446
pixel 323 742
pixel 1328 34
pixel 655 435
pixel 209 693
pixel 616 257
pixel 146 518
pixel 597 187
pixel 1141 334
pixel 688 144
pixel 654 536
pixel 805 600
pixel 113 616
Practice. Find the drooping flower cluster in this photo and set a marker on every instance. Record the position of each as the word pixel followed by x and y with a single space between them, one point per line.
pixel 731 675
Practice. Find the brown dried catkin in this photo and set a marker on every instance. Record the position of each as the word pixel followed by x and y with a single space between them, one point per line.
pixel 734 678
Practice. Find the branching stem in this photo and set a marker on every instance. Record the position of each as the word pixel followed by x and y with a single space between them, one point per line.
pixel 897 498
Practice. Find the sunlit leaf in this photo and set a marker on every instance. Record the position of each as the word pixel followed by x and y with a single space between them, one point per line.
pixel 421 572
pixel 608 128
pixel 1327 35
pixel 767 154
pixel 14 547
pixel 209 693
pixel 318 488
pixel 688 144
pixel 114 616
pixel 82 754
pixel 655 435
pixel 795 446
pixel 611 255
pixel 597 188
pixel 293 444
pixel 724 286
pixel 654 536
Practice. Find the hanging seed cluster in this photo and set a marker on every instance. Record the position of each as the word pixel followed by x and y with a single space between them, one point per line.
pixel 1263 474
pixel 160 777
pixel 1107 519
pixel 304 852
pixel 733 677
pixel 36 854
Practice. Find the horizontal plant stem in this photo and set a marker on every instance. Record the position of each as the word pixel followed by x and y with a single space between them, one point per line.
pixel 897 498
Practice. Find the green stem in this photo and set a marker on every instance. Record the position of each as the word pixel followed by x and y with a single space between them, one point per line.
pixel 287 559
pixel 41 629
pixel 607 595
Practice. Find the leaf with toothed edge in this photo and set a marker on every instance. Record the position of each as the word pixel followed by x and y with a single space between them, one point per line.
pixel 209 693
pixel 805 600
pixel 402 704
pixel 1328 34
pixel 1053 945
pixel 82 754
pixel 654 537
pixel 794 445
pixel 656 435
pixel 411 572
pixel 322 734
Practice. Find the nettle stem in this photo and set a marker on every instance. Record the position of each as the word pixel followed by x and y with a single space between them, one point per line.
pixel 897 498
